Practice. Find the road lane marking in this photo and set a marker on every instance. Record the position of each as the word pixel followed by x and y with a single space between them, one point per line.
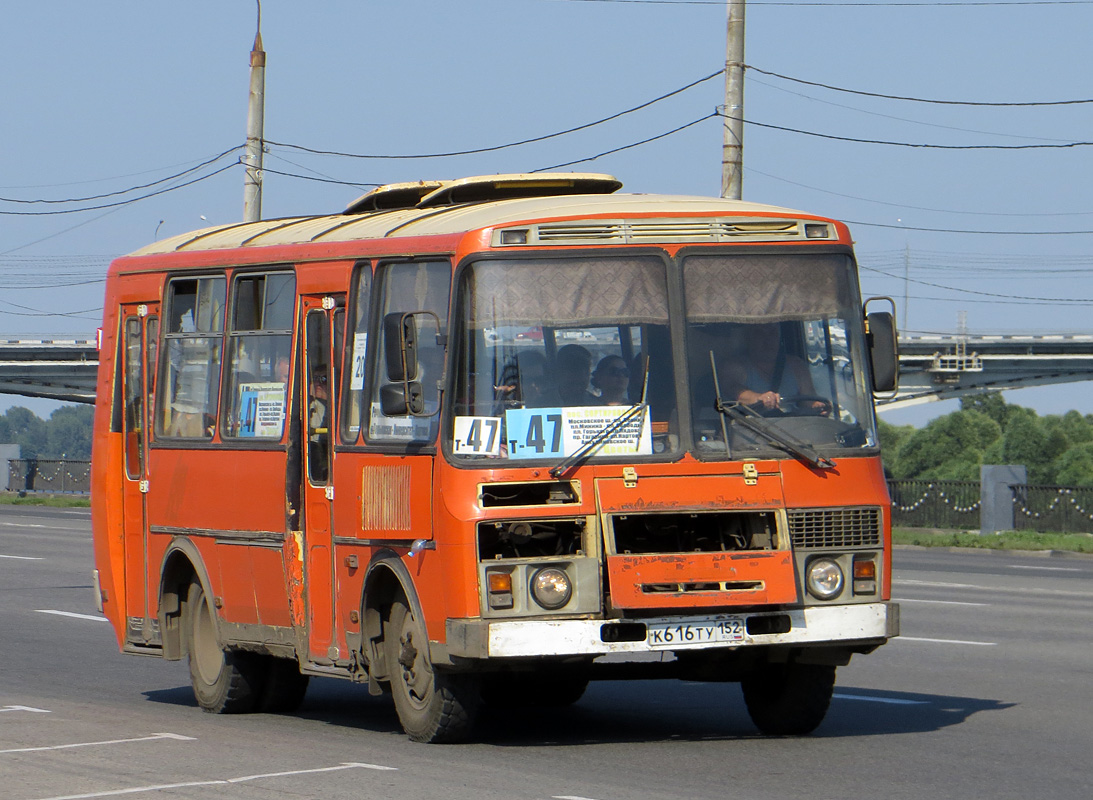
pixel 891 700
pixel 175 736
pixel 23 558
pixel 998 589
pixel 569 797
pixel 71 614
pixel 25 708
pixel 1050 569
pixel 214 782
pixel 939 602
pixel 902 638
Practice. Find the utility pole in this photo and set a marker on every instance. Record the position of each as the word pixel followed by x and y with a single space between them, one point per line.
pixel 252 155
pixel 732 149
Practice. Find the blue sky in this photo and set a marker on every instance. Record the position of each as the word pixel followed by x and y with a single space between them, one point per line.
pixel 103 96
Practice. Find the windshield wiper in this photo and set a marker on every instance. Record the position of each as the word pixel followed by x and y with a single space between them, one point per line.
pixel 608 431
pixel 755 422
pixel 600 437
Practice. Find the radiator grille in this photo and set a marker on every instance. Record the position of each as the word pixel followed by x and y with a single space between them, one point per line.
pixel 813 529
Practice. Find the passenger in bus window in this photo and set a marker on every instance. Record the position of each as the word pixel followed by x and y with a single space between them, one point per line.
pixel 574 369
pixel 612 378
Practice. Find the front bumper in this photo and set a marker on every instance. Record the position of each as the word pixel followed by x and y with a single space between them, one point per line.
pixel 859 624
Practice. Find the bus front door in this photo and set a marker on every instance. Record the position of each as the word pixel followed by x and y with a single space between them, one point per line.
pixel 323 320
pixel 140 334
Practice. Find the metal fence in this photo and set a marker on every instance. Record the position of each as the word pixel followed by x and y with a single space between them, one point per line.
pixel 935 504
pixel 1065 509
pixel 49 475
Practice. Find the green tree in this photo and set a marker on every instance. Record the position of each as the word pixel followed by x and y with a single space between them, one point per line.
pixel 27 430
pixel 1026 442
pixel 948 448
pixel 989 403
pixel 1075 466
pixel 69 432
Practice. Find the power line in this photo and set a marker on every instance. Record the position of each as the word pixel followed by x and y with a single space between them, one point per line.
pixel 503 146
pixel 836 4
pixel 920 99
pixel 978 292
pixel 918 145
pixel 711 115
pixel 177 175
pixel 921 208
pixel 120 202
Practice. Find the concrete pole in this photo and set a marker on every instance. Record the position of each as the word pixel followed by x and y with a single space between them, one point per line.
pixel 732 150
pixel 252 156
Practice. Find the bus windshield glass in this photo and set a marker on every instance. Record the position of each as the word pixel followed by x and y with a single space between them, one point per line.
pixel 568 359
pixel 554 351
pixel 783 348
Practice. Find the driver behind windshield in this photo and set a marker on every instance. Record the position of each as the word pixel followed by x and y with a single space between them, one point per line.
pixel 765 375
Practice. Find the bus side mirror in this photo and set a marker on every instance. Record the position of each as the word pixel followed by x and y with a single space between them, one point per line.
pixel 883 344
pixel 400 346
pixel 400 399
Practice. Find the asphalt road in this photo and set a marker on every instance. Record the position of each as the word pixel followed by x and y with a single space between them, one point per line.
pixel 988 694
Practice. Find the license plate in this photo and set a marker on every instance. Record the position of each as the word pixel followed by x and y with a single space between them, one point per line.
pixel 677 634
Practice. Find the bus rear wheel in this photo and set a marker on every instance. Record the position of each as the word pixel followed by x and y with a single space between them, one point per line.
pixel 433 707
pixel 789 699
pixel 224 681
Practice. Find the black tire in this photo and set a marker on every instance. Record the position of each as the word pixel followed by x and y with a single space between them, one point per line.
pixel 433 707
pixel 789 699
pixel 534 689
pixel 224 681
pixel 284 688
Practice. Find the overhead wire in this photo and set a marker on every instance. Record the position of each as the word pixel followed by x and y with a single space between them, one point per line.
pixel 167 179
pixel 494 148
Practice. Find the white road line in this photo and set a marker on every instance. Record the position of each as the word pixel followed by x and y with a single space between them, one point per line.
pixel 1003 590
pixel 175 736
pixel 902 638
pixel 1049 569
pixel 25 708
pixel 938 602
pixel 23 558
pixel 222 782
pixel 890 700
pixel 24 525
pixel 71 614
pixel 569 797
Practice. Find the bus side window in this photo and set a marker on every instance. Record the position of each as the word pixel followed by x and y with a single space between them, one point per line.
pixel 356 354
pixel 409 287
pixel 189 390
pixel 260 349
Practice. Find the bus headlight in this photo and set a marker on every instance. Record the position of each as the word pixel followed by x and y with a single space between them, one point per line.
pixel 551 588
pixel 825 579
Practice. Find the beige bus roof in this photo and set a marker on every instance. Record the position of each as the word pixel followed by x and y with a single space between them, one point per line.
pixel 425 218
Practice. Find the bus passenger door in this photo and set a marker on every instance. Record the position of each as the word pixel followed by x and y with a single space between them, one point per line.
pixel 323 322
pixel 140 333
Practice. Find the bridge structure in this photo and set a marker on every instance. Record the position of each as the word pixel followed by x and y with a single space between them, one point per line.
pixel 932 367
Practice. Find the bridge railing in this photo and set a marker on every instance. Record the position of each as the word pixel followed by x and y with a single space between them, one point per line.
pixel 935 504
pixel 1068 509
pixel 59 476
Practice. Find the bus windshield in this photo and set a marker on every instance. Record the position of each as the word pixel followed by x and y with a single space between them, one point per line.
pixel 560 359
pixel 777 339
pixel 555 350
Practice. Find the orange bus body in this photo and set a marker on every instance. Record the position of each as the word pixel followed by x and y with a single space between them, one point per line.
pixel 262 508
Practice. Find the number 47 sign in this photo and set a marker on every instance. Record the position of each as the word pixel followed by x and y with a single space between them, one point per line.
pixel 551 432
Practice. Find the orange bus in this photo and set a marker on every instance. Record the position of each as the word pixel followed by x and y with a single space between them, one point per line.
pixel 479 442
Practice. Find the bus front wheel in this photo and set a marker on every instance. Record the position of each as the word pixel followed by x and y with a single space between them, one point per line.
pixel 789 699
pixel 433 707
pixel 224 682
